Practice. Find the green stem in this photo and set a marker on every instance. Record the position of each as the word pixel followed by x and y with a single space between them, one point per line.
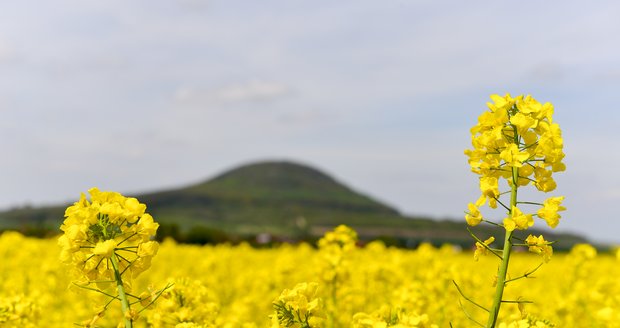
pixel 501 281
pixel 121 291
pixel 503 268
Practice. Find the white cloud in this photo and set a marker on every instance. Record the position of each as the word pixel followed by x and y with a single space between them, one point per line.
pixel 251 91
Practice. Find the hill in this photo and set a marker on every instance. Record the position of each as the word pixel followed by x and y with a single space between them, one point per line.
pixel 269 197
pixel 284 199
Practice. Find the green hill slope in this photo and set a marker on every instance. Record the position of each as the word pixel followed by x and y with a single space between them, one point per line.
pixel 284 199
pixel 273 197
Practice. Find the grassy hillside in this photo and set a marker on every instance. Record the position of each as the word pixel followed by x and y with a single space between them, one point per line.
pixel 283 199
pixel 274 197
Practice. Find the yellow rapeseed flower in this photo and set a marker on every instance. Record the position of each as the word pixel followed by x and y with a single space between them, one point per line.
pixel 518 220
pixel 516 132
pixel 105 248
pixel 550 209
pixel 540 246
pixel 108 224
pixel 483 249
pixel 523 122
pixel 474 217
pixel 512 156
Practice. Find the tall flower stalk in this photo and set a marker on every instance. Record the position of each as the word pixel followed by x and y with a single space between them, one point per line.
pixel 515 141
pixel 107 241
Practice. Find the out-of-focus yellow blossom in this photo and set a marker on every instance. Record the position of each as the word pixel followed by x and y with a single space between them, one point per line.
pixel 299 307
pixel 335 245
pixel 188 325
pixel 188 303
pixel 341 237
pixel 524 324
pixel 483 249
pixel 93 321
pixel 413 320
pixel 148 249
pixel 609 315
pixel 388 317
pixel 528 321
pixel 18 311
pixel 583 251
pixel 363 320
pixel 550 209
pixel 335 266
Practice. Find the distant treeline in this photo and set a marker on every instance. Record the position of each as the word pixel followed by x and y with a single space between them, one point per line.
pixel 202 235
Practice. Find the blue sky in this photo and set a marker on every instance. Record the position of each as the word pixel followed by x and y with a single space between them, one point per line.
pixel 142 95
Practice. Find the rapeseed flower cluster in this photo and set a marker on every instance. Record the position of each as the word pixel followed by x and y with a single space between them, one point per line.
pixel 109 227
pixel 299 307
pixel 107 241
pixel 517 142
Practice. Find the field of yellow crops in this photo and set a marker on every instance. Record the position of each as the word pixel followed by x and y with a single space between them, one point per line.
pixel 373 286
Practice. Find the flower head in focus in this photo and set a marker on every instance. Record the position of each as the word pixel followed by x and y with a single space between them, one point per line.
pixel 516 143
pixel 108 225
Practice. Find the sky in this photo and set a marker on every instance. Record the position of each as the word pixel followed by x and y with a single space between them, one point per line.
pixel 136 96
